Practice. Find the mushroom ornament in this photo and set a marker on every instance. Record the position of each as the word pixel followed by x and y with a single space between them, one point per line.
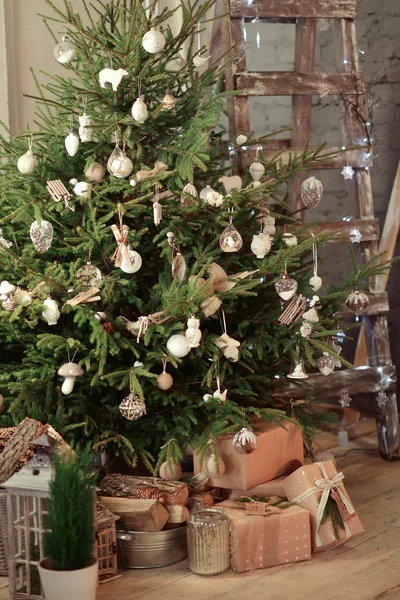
pixel 70 371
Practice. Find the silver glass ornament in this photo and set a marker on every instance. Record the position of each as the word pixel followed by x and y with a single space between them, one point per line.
pixel 119 164
pixel 89 275
pixel 261 244
pixel 311 192
pixel 344 399
pixel 286 287
pixel 325 364
pixel 41 233
pixel 230 239
pixel 64 52
pixel 357 301
pixel 132 408
pixel 382 399
pixel 244 441
pixel 297 371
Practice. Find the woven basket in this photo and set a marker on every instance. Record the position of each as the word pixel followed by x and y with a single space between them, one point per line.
pixel 3 534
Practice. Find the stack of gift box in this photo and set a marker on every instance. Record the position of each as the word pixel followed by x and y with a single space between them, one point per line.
pixel 281 510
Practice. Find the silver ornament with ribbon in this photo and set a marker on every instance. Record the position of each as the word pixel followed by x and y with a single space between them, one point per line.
pixel 132 408
pixel 41 233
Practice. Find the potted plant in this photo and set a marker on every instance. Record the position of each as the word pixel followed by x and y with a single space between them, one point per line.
pixel 70 569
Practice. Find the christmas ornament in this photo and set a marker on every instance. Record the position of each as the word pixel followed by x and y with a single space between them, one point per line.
pixel 59 192
pixel 230 239
pixel 345 399
pixel 81 189
pixel 261 244
pixel 178 267
pixel 292 466
pixel 193 332
pixel 355 236
pixel 212 197
pixel 153 41
pixel 293 311
pixel 348 172
pixel 164 380
pixel 85 297
pixel 113 76
pixel 357 301
pixel 315 281
pixel 51 313
pixel 96 172
pixel 214 467
pixel 200 61
pixel 257 170
pixel 220 395
pixel 244 441
pixel 138 364
pixel 85 129
pixel 189 195
pixel 286 287
pixel 72 143
pixel 325 364
pixel 338 350
pixel 306 329
pixel 159 167
pixel 89 275
pixel 297 370
pixel 139 110
pixel 6 291
pixel 3 242
pixel 168 102
pixel 289 240
pixel 231 183
pixel 178 345
pixel 109 327
pixel 269 225
pixel 170 471
pixel 311 315
pixel 64 52
pixel 134 263
pixel 132 408
pixel 119 164
pixel 23 297
pixel 229 346
pixel 41 233
pixel 70 371
pixel 311 192
pixel 100 316
pixel 382 399
pixel 241 139
pixel 28 162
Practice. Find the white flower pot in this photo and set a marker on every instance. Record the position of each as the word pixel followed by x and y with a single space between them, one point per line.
pixel 68 585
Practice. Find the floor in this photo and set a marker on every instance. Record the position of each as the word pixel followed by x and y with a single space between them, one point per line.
pixel 366 568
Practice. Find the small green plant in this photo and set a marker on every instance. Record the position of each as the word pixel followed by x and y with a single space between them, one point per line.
pixel 68 542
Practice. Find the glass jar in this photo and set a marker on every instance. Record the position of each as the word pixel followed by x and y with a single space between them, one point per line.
pixel 208 541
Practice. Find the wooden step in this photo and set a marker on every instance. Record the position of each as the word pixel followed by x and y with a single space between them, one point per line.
pixel 280 83
pixel 331 158
pixel 339 9
pixel 341 230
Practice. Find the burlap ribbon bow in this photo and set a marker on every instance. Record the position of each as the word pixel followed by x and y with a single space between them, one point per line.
pixel 327 486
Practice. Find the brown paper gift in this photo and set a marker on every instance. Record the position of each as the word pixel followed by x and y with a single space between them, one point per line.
pixel 270 488
pixel 258 542
pixel 276 447
pixel 310 487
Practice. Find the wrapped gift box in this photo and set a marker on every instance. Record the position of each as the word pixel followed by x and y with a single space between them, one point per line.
pixel 310 487
pixel 276 447
pixel 270 488
pixel 259 541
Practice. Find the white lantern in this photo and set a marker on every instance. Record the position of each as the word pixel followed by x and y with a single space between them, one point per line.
pixel 26 496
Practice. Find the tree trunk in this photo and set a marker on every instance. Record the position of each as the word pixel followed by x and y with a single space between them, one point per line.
pixel 124 486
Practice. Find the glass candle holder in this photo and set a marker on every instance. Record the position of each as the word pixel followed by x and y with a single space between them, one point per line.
pixel 208 532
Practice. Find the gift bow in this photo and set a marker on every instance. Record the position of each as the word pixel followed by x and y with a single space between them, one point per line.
pixel 327 485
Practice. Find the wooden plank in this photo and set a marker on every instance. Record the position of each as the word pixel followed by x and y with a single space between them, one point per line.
pixel 279 83
pixel 123 486
pixel 355 381
pixel 302 105
pixel 288 8
pixel 335 157
pixel 369 229
pixel 229 82
pixel 138 515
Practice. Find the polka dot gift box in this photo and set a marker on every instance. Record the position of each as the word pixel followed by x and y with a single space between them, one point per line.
pixel 319 488
pixel 261 541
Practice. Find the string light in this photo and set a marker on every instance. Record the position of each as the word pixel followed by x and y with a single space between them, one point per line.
pixel 345 62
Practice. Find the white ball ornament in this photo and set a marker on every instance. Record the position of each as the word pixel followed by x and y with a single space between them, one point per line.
pixel 27 163
pixel 139 110
pixel 241 139
pixel 119 164
pixel 257 170
pixel 81 189
pixel 213 467
pixel 64 52
pixel 178 346
pixel 51 313
pixel 169 471
pixel 315 282
pixel 72 143
pixel 153 41
pixel 289 240
pixel 136 261
pixel 96 172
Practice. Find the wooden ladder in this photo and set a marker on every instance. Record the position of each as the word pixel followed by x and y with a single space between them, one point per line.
pixel 364 384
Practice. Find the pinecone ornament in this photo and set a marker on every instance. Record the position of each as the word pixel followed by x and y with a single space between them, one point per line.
pixel 292 466
pixel 149 493
pixel 109 327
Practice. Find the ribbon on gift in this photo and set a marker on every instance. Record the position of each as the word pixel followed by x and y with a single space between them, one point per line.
pixel 327 485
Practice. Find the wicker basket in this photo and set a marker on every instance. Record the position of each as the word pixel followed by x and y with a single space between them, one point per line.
pixel 3 534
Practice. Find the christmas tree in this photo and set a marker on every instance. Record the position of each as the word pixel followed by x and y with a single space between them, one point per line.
pixel 176 293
